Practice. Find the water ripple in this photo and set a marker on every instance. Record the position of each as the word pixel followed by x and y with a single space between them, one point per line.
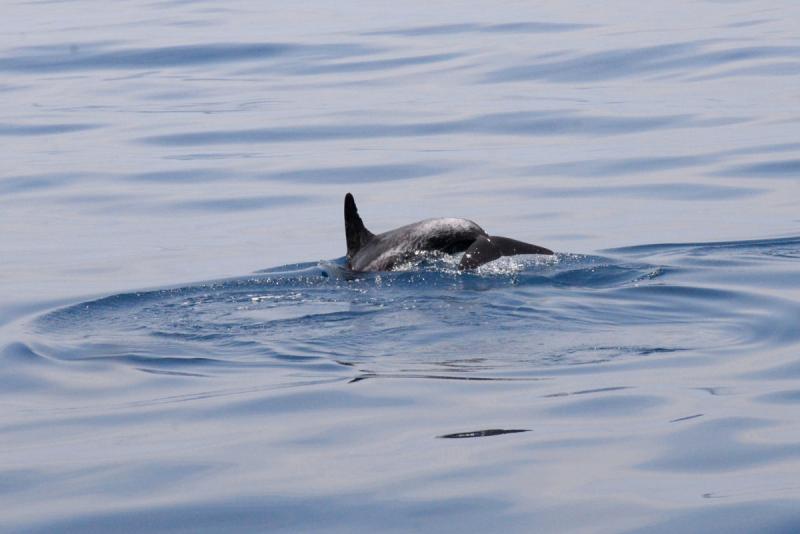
pixel 657 384
pixel 638 62
pixel 360 174
pixel 239 203
pixel 93 56
pixel 668 191
pixel 717 446
pixel 366 66
pixel 530 123
pixel 771 169
pixel 509 27
pixel 13 130
pixel 574 308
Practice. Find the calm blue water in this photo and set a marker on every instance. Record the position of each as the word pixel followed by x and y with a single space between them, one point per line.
pixel 181 348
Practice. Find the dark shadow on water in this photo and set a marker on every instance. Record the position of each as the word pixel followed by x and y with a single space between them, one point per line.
pixel 171 373
pixel 366 376
pixel 686 418
pixel 586 392
pixel 483 433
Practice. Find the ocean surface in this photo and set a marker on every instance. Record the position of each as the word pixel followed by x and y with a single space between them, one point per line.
pixel 182 348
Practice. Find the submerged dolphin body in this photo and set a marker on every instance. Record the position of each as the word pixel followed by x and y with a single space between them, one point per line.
pixel 369 252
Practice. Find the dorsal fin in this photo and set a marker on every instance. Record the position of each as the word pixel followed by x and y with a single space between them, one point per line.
pixel 357 234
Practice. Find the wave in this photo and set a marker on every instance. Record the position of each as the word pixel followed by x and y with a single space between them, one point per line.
pixel 523 315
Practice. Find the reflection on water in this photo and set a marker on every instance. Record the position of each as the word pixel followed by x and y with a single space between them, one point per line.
pixel 484 433
pixel 647 387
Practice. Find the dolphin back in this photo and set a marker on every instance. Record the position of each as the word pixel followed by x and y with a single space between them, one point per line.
pixel 488 248
pixel 355 231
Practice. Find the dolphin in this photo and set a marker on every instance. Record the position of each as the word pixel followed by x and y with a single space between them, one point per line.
pixel 370 252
